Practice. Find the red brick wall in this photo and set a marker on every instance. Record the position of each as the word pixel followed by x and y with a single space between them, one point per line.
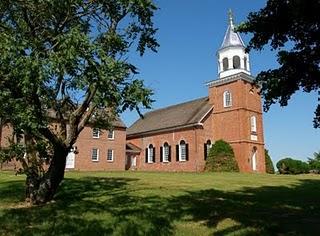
pixel 195 137
pixel 232 124
pixel 86 142
pixel 84 145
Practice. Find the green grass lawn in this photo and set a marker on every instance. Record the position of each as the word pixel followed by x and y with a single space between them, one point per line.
pixel 136 203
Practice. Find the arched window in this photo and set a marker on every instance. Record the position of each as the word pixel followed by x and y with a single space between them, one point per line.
pixel 254 159
pixel 236 62
pixel 182 153
pixel 207 147
pixel 227 99
pixel 225 64
pixel 150 154
pixel 165 153
pixel 245 61
pixel 253 123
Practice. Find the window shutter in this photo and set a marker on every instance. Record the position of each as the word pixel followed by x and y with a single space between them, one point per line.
pixel 169 157
pixel 177 152
pixel 146 153
pixel 161 154
pixel 205 151
pixel 154 155
pixel 187 152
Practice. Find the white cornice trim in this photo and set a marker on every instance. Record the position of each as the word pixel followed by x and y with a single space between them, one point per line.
pixel 239 76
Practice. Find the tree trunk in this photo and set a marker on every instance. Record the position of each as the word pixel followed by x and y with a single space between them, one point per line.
pixel 41 189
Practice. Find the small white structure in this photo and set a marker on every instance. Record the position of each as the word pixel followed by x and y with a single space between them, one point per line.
pixel 232 58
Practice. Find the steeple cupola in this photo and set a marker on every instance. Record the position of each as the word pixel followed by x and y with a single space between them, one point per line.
pixel 232 58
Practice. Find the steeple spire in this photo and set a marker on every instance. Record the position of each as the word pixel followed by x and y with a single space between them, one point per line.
pixel 230 18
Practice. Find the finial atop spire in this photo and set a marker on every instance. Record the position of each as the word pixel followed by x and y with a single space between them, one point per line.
pixel 230 17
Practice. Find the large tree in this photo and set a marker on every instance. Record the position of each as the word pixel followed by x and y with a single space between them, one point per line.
pixel 292 28
pixel 67 62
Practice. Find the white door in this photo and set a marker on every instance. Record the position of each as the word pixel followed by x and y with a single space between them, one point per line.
pixel 70 160
pixel 133 161
pixel 254 161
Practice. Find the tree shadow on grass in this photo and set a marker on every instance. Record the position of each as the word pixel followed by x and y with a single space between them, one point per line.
pixel 267 210
pixel 110 206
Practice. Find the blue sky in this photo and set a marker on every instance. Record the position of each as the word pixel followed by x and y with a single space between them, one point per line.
pixel 190 32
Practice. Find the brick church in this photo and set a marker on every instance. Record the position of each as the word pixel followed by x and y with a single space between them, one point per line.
pixel 178 137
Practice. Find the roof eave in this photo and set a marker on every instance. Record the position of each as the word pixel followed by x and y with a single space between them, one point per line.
pixel 168 129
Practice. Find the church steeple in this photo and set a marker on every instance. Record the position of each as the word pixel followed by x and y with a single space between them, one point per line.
pixel 232 57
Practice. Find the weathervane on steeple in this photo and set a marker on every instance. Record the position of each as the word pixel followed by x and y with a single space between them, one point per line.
pixel 230 17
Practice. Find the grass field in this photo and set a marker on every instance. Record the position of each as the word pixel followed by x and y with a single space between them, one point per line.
pixel 136 203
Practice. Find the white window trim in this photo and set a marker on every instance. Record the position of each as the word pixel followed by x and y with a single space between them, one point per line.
pixel 150 157
pixel 164 154
pixel 112 155
pixel 180 152
pixel 112 138
pixel 98 136
pixel 253 123
pixel 225 100
pixel 98 152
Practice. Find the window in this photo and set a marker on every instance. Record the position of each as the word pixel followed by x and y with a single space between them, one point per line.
pixel 182 151
pixel 111 134
pixel 225 64
pixel 110 155
pixel 165 153
pixel 95 133
pixel 245 60
pixel 207 147
pixel 253 122
pixel 236 62
pixel 95 154
pixel 150 154
pixel 227 99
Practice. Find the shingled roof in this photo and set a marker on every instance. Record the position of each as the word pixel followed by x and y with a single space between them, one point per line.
pixel 172 117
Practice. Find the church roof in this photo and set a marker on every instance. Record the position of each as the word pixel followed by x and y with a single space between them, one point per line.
pixel 231 38
pixel 169 118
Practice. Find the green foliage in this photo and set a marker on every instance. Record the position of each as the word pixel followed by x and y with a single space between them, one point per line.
pixel 269 164
pixel 221 158
pixel 68 61
pixel 296 39
pixel 314 163
pixel 291 166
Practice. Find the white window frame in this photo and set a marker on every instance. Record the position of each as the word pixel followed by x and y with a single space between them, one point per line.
pixel 95 134
pixel 165 156
pixel 150 153
pixel 227 103
pixel 182 157
pixel 112 132
pixel 97 154
pixel 112 155
pixel 253 123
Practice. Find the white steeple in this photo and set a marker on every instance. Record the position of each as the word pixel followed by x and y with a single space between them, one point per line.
pixel 232 57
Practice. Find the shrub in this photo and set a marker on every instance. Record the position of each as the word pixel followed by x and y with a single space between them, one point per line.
pixel 314 163
pixel 291 166
pixel 268 161
pixel 221 158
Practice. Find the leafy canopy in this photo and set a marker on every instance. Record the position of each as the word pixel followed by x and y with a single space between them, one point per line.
pixel 292 28
pixel 221 158
pixel 68 60
pixel 292 166
pixel 314 163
